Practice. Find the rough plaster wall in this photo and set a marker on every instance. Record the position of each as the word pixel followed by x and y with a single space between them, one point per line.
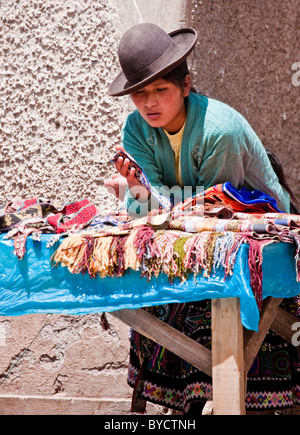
pixel 244 57
pixel 58 129
pixel 71 358
pixel 170 15
pixel 72 355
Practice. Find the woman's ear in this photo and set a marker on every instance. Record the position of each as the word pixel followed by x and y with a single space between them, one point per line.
pixel 187 85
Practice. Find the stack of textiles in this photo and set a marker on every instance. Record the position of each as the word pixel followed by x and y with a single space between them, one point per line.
pixel 197 236
pixel 193 238
pixel 38 216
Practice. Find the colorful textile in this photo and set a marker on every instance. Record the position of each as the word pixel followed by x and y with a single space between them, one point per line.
pixel 238 200
pixel 273 382
pixel 36 216
pixel 194 247
pixel 196 238
pixel 221 225
pixel 187 239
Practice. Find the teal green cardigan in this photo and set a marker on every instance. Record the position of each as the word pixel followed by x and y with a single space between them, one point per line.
pixel 218 146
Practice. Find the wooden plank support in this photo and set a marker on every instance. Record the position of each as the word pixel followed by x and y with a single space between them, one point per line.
pixel 168 337
pixel 283 324
pixel 227 358
pixel 208 408
pixel 253 340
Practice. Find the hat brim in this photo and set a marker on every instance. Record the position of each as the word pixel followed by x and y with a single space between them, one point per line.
pixel 184 42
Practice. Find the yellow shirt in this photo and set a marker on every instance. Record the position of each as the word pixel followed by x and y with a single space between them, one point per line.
pixel 176 141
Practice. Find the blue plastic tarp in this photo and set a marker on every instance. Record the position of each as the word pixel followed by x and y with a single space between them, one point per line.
pixel 33 285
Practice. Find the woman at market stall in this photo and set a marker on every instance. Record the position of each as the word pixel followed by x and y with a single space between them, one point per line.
pixel 181 138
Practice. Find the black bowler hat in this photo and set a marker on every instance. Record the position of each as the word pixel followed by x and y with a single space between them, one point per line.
pixel 146 52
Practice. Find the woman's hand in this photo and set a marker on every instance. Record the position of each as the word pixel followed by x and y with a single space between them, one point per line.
pixel 137 190
pixel 122 166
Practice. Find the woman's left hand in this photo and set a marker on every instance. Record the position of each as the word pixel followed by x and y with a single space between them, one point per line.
pixel 117 185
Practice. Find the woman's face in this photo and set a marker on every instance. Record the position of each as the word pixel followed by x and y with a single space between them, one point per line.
pixel 161 104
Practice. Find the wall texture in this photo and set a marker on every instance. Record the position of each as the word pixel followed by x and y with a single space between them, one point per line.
pixel 73 357
pixel 58 130
pixel 58 127
pixel 244 57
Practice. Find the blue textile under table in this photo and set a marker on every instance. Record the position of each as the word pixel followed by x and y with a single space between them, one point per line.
pixel 32 285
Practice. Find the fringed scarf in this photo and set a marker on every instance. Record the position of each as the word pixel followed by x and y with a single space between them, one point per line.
pixel 171 252
pixel 146 252
pixel 255 260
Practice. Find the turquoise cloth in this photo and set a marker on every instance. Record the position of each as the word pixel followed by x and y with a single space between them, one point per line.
pixel 32 285
pixel 218 146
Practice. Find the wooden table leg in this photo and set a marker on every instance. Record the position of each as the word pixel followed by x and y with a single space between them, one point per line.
pixel 227 358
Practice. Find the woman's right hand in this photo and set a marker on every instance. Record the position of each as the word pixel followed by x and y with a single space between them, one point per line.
pixel 137 190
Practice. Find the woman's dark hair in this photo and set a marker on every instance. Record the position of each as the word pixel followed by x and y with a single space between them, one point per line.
pixel 178 74
pixel 278 169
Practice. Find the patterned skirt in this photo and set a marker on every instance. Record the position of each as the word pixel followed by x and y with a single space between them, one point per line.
pixel 160 377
